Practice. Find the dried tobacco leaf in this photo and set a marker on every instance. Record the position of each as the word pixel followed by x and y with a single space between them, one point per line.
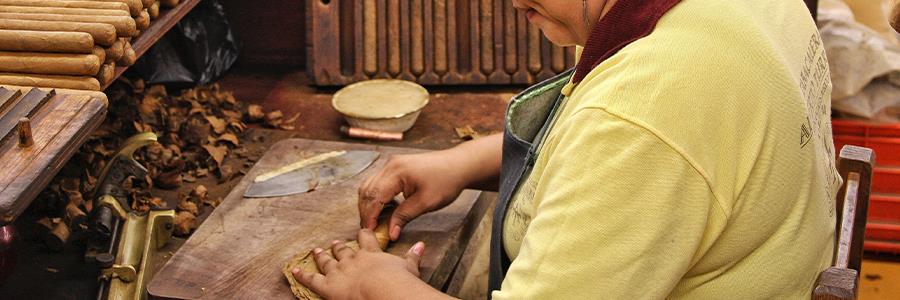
pixel 230 138
pixel 255 113
pixel 217 153
pixel 217 124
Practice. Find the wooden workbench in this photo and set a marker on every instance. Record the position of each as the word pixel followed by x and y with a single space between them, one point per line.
pixel 240 249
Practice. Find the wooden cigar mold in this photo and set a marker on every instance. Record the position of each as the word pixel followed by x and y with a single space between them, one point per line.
pixel 432 42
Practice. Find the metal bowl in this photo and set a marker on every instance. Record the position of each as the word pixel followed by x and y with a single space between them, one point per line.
pixel 382 104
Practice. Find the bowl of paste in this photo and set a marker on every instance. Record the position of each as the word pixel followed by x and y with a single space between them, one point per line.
pixel 382 104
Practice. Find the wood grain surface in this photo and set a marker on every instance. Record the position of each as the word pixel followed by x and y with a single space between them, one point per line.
pixel 239 251
pixel 59 128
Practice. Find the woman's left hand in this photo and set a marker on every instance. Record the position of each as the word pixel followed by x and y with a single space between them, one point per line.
pixel 364 274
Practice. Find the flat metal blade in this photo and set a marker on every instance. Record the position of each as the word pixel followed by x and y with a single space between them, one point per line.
pixel 313 176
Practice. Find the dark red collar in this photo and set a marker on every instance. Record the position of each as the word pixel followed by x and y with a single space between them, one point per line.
pixel 626 22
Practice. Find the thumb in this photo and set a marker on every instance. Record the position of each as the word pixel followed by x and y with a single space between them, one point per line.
pixel 414 257
pixel 405 212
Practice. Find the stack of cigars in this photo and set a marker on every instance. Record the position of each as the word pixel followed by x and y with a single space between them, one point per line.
pixel 70 44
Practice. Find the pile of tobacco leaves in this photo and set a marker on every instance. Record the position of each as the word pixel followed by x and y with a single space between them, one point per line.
pixel 199 129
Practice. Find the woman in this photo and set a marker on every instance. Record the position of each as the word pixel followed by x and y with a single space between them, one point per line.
pixel 688 155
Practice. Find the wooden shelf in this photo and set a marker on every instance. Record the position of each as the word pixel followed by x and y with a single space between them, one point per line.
pixel 59 127
pixel 159 27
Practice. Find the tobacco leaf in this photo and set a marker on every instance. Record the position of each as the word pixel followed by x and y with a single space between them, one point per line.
pixel 217 124
pixel 230 138
pixel 217 153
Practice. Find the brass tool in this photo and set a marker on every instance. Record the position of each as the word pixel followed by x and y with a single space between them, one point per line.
pixel 135 235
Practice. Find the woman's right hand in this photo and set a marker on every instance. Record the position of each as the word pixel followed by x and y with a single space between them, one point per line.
pixel 429 181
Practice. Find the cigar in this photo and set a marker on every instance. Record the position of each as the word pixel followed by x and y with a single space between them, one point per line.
pixel 371 134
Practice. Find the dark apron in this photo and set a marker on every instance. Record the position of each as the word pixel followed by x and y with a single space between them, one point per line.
pixel 528 119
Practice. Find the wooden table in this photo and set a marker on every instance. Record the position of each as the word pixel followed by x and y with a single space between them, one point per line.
pixel 59 127
pixel 240 249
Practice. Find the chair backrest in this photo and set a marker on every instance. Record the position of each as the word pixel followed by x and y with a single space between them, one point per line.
pixel 840 281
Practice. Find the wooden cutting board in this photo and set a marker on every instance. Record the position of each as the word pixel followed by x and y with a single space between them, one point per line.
pixel 240 249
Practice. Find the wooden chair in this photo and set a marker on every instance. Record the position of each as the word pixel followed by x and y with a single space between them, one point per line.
pixel 841 280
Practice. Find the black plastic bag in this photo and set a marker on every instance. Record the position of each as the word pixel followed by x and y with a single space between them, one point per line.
pixel 199 49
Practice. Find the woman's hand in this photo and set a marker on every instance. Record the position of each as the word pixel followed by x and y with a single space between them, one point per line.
pixel 428 181
pixel 367 273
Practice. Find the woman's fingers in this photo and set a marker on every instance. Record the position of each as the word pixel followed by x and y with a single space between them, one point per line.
pixel 414 257
pixel 312 280
pixel 324 260
pixel 366 239
pixel 374 195
pixel 406 212
pixel 340 250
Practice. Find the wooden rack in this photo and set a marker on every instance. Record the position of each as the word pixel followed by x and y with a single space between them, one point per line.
pixel 159 27
pixel 60 124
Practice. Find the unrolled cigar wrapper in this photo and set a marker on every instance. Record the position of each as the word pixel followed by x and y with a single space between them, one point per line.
pixel 46 41
pixel 49 63
pixel 51 81
pixel 124 25
pixel 64 11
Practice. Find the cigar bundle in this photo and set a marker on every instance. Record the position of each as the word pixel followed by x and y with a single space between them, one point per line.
pixel 75 44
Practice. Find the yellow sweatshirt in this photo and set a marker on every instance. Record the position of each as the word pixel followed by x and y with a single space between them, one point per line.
pixel 697 162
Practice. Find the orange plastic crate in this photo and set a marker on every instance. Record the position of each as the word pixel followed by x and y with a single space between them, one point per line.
pixel 883 228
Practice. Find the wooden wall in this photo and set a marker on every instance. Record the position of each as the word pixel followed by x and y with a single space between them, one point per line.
pixel 273 32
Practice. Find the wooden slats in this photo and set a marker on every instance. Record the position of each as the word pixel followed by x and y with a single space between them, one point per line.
pixel 25 107
pixel 60 124
pixel 433 42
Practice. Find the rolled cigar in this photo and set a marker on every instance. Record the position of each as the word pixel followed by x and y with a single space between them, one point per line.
pixel 129 57
pixel 65 3
pixel 143 20
pixel 371 134
pixel 106 74
pixel 103 34
pixel 134 6
pixel 168 3
pixel 63 11
pixel 51 81
pixel 26 139
pixel 153 9
pixel 46 41
pixel 61 91
pixel 125 26
pixel 49 63
pixel 100 53
pixel 115 52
